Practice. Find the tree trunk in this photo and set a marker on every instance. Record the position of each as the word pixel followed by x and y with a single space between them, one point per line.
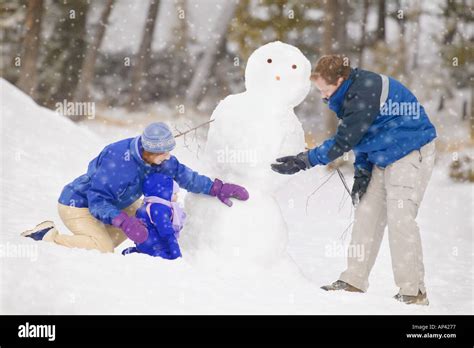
pixel 341 25
pixel 194 93
pixel 64 52
pixel 28 73
pixel 143 54
pixel 471 118
pixel 330 11
pixel 180 50
pixel 381 21
pixel 88 65
pixel 416 33
pixel 363 31
pixel 330 8
pixel 402 54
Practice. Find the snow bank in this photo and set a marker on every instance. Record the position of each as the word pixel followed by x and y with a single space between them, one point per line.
pixel 42 151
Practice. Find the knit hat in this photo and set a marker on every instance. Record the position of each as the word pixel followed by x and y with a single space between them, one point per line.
pixel 157 137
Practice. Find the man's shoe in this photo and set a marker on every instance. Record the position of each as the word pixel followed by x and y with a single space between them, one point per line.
pixel 420 299
pixel 44 231
pixel 340 285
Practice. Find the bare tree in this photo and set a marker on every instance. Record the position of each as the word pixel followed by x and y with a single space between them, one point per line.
pixel 416 30
pixel 199 79
pixel 363 30
pixel 28 73
pixel 341 18
pixel 330 9
pixel 88 65
pixel 471 116
pixel 402 51
pixel 179 49
pixel 381 21
pixel 144 51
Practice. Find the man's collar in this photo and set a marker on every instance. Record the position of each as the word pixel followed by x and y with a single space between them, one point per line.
pixel 337 98
pixel 136 149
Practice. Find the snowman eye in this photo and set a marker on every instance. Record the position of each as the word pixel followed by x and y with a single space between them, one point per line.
pixel 269 60
pixel 294 66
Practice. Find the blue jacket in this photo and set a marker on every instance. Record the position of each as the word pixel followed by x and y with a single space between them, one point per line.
pixel 161 239
pixel 380 120
pixel 114 180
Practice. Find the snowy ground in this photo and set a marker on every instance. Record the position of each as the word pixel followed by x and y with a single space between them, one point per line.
pixel 42 151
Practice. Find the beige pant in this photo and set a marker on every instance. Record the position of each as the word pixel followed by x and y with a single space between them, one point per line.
pixel 88 232
pixel 392 198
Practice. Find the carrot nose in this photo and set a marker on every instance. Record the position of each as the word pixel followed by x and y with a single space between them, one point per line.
pixel 277 78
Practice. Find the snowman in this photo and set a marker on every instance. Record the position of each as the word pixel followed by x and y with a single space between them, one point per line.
pixel 249 131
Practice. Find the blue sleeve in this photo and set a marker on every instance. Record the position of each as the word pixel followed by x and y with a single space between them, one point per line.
pixel 360 109
pixel 161 218
pixel 185 177
pixel 319 155
pixel 362 161
pixel 104 191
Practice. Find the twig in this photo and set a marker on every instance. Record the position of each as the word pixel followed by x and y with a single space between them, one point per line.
pixel 192 129
pixel 343 179
pixel 344 233
pixel 342 201
pixel 317 188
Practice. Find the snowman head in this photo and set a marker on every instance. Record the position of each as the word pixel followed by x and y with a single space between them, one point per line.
pixel 280 72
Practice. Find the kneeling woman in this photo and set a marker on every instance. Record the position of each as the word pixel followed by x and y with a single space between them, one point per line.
pixel 99 207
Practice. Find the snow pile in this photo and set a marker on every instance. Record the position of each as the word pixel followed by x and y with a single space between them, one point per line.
pixel 42 151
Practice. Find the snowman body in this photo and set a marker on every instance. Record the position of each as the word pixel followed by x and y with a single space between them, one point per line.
pixel 248 134
pixel 250 130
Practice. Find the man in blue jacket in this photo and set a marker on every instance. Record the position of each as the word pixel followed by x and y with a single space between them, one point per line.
pixel 99 207
pixel 385 126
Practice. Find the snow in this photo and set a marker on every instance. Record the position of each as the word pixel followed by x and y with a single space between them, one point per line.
pixel 259 125
pixel 286 63
pixel 42 151
pixel 249 131
pixel 250 234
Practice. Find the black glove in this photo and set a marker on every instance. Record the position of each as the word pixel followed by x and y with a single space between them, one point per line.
pixel 361 182
pixel 292 164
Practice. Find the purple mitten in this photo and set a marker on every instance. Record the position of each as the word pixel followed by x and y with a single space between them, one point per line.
pixel 131 226
pixel 226 191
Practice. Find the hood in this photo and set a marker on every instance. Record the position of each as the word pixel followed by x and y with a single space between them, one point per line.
pixel 136 150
